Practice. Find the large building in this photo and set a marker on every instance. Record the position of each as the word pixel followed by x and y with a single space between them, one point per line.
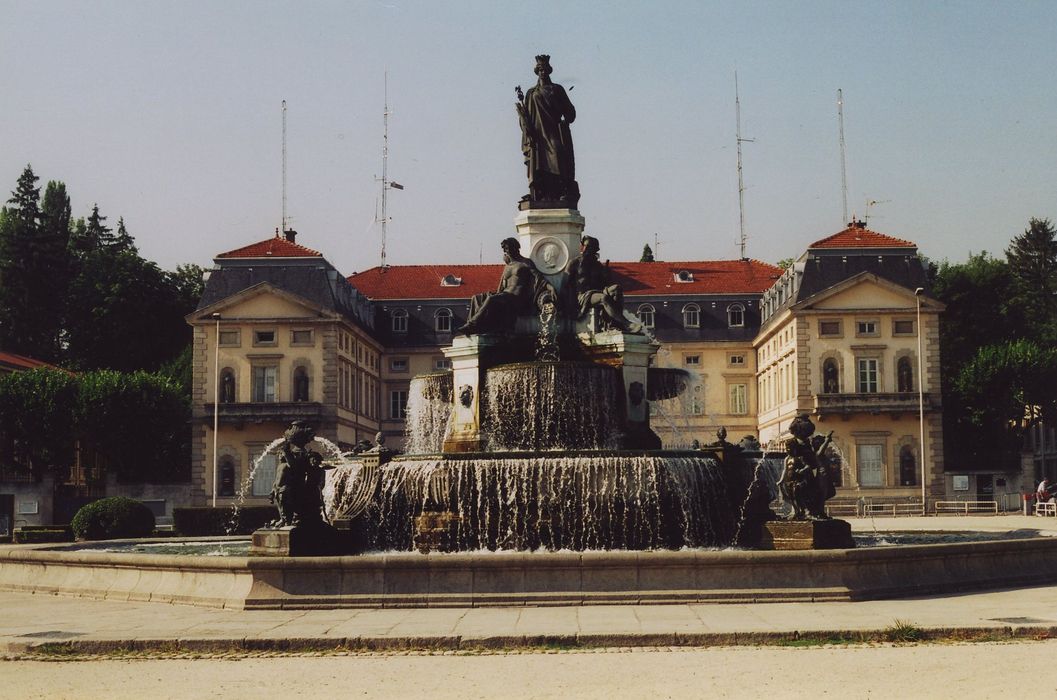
pixel 836 336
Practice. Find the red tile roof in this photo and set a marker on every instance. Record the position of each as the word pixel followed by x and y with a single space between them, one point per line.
pixel 855 237
pixel 636 278
pixel 11 361
pixel 277 247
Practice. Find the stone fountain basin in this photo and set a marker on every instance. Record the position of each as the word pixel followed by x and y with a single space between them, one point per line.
pixel 531 578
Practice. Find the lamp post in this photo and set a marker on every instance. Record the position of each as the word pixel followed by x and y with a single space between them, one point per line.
pixel 216 405
pixel 921 399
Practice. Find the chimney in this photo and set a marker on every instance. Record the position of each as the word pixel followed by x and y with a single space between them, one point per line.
pixel 290 235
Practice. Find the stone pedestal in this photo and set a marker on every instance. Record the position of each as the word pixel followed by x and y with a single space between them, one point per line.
pixel 632 354
pixel 550 238
pixel 309 540
pixel 807 534
pixel 466 354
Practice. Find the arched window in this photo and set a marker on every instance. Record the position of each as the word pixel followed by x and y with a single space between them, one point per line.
pixel 647 315
pixel 226 481
pixel 735 316
pixel 908 469
pixel 227 386
pixel 905 375
pixel 399 320
pixel 691 316
pixel 301 384
pixel 830 377
pixel 443 320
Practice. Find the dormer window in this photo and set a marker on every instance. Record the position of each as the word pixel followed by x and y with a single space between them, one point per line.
pixel 399 317
pixel 735 316
pixel 450 280
pixel 442 320
pixel 684 276
pixel 691 316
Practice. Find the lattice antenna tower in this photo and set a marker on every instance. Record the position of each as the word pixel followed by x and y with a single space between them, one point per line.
pixel 843 162
pixel 387 184
pixel 285 221
pixel 741 181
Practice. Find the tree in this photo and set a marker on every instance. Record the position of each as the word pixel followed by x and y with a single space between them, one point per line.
pixel 785 263
pixel 51 276
pixel 647 254
pixel 36 421
pixel 1032 258
pixel 139 422
pixel 33 267
pixel 978 295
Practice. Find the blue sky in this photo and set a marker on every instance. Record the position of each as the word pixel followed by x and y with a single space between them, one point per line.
pixel 169 114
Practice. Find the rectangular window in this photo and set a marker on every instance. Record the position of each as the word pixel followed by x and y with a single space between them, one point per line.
pixel 829 329
pixel 264 337
pixel 441 363
pixel 230 339
pixel 264 384
pixel 264 475
pixel 871 464
pixel 398 364
pixel 398 404
pixel 867 376
pixel 736 360
pixel 866 328
pixel 903 326
pixel 300 337
pixel 739 404
pixel 692 360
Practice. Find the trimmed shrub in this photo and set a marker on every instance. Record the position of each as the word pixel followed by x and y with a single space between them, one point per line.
pixel 207 522
pixel 113 518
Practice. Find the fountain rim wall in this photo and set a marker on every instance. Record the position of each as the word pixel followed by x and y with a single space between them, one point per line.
pixel 467 579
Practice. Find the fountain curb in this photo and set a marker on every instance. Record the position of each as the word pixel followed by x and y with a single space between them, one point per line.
pixel 531 579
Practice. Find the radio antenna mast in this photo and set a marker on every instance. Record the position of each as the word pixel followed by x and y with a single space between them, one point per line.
pixel 284 169
pixel 843 166
pixel 741 181
pixel 387 184
pixel 385 163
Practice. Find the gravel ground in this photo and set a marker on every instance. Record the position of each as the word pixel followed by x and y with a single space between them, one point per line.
pixel 963 671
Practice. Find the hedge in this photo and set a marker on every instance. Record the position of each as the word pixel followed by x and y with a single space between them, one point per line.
pixel 207 522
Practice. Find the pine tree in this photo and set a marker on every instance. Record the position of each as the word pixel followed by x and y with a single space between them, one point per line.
pixel 1032 259
pixel 647 254
pixel 19 230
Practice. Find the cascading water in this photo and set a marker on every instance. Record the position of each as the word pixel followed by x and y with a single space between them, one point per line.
pixel 575 502
pixel 429 404
pixel 543 406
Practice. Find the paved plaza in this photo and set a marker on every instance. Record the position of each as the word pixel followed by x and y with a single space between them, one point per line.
pixel 60 646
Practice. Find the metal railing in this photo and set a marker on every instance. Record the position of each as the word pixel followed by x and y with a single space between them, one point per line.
pixel 966 507
pixel 893 509
pixel 1046 508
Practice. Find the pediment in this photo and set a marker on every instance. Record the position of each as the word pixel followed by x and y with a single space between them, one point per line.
pixel 866 291
pixel 261 301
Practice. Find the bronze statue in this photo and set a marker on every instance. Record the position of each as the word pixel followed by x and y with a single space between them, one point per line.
pixel 496 311
pixel 297 490
pixel 545 113
pixel 806 483
pixel 590 288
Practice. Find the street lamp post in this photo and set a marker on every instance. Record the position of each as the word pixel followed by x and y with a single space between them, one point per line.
pixel 921 400
pixel 216 405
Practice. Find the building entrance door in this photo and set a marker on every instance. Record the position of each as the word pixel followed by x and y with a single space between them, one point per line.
pixel 985 487
pixel 7 516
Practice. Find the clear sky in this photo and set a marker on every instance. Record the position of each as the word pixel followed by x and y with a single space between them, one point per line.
pixel 168 113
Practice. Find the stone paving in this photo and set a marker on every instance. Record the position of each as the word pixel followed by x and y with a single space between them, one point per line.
pixel 32 621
